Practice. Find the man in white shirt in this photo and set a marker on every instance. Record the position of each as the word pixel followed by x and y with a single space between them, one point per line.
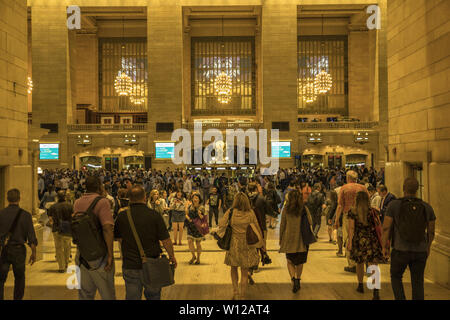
pixel 375 198
pixel 187 185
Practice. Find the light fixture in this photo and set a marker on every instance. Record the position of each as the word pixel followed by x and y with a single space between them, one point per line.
pixel 222 83
pixel 122 83
pixel 362 138
pixel 138 93
pixel 323 80
pixel 130 140
pixel 30 85
pixel 84 140
pixel 314 138
pixel 308 90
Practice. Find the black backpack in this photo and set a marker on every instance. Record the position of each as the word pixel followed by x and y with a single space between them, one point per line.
pixel 412 220
pixel 87 233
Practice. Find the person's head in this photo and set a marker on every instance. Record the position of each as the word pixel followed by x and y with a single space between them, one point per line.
pixel 294 202
pixel 196 199
pixel 154 195
pixel 242 182
pixel 137 194
pixel 179 194
pixel 332 195
pixel 13 196
pixel 51 188
pixel 93 185
pixel 241 202
pixel 122 193
pixel 352 176
pixel 362 206
pixel 410 186
pixel 252 187
pixel 317 186
pixel 270 186
pixel 382 190
pixel 61 195
pixel 214 190
pixel 371 190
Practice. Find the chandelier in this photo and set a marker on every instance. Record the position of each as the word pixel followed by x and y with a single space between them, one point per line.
pixel 30 85
pixel 138 93
pixel 308 90
pixel 123 84
pixel 222 87
pixel 222 82
pixel 323 82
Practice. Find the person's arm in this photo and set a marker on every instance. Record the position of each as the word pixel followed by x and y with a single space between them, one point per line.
pixel 282 224
pixel 220 203
pixel 168 245
pixel 387 225
pixel 339 208
pixel 108 234
pixel 186 211
pixel 430 234
pixel 31 237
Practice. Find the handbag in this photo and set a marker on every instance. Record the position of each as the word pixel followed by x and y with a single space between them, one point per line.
pixel 305 228
pixel 4 240
pixel 252 236
pixel 157 272
pixel 202 225
pixel 224 243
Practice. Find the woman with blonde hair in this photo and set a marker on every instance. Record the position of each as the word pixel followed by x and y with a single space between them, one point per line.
pixel 158 204
pixel 363 243
pixel 241 254
pixel 291 237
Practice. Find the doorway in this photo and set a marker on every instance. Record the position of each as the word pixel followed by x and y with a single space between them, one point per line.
pixel 112 163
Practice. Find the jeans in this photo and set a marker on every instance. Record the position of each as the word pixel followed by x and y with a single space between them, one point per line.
pixel 63 246
pixel 14 255
pixel 317 221
pixel 93 280
pixel 213 211
pixel 416 262
pixel 134 285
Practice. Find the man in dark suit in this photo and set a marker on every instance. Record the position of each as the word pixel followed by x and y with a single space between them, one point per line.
pixel 386 198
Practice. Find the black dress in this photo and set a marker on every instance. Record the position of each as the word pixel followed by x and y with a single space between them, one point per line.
pixel 192 230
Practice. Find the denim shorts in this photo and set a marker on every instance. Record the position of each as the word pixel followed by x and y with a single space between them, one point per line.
pixel 178 216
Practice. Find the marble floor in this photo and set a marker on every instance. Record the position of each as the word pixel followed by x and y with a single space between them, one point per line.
pixel 323 277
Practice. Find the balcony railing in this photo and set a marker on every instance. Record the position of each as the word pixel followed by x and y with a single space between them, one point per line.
pixel 337 125
pixel 225 125
pixel 106 127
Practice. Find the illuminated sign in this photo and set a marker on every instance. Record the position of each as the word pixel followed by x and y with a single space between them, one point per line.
pixel 49 151
pixel 281 149
pixel 164 150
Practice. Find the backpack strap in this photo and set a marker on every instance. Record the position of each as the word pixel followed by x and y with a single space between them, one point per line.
pixel 136 236
pixel 12 230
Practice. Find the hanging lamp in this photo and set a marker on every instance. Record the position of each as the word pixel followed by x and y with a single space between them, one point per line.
pixel 222 83
pixel 323 81
pixel 123 83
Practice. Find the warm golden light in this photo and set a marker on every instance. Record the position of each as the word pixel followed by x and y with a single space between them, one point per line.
pixel 222 87
pixel 123 84
pixel 323 82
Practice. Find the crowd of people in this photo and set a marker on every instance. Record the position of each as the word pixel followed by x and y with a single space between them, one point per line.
pixel 145 205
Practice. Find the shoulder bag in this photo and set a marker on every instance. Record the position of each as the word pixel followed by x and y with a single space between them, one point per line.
pixel 224 243
pixel 157 272
pixel 4 240
pixel 202 224
pixel 306 230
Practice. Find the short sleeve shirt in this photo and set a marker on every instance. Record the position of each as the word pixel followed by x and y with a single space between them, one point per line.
pixel 393 211
pixel 102 209
pixel 347 195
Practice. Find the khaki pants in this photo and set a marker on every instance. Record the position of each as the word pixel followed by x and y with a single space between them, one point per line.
pixel 350 262
pixel 63 246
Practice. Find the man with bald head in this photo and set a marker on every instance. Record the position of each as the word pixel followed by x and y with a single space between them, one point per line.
pixel 346 200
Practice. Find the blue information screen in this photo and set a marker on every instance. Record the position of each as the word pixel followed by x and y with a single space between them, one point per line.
pixel 164 150
pixel 49 151
pixel 281 149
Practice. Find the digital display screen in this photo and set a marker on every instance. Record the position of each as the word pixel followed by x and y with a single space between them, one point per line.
pixel 49 151
pixel 281 149
pixel 164 150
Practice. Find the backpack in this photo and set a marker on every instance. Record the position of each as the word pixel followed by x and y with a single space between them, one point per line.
pixel 412 220
pixel 87 233
pixel 314 201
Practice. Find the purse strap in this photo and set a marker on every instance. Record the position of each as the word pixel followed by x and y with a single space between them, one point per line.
pixel 136 236
pixel 12 230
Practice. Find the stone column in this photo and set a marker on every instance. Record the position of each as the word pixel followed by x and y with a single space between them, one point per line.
pixel 165 58
pixel 279 63
pixel 52 97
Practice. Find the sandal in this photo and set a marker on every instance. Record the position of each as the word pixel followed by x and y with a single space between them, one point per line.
pixel 192 261
pixel 197 262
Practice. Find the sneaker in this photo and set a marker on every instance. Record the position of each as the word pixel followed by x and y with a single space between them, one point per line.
pixel 350 269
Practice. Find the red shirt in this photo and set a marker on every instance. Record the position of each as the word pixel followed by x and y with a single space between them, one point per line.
pixel 347 195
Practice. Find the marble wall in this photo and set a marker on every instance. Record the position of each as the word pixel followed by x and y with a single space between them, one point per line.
pixel 419 130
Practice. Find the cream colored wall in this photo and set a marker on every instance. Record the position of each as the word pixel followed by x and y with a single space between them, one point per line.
pixel 86 66
pixel 419 130
pixel 13 100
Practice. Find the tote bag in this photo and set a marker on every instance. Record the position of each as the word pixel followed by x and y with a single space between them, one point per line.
pixel 224 243
pixel 202 225
pixel 305 228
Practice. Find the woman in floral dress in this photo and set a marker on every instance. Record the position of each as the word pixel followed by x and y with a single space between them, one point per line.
pixel 363 243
